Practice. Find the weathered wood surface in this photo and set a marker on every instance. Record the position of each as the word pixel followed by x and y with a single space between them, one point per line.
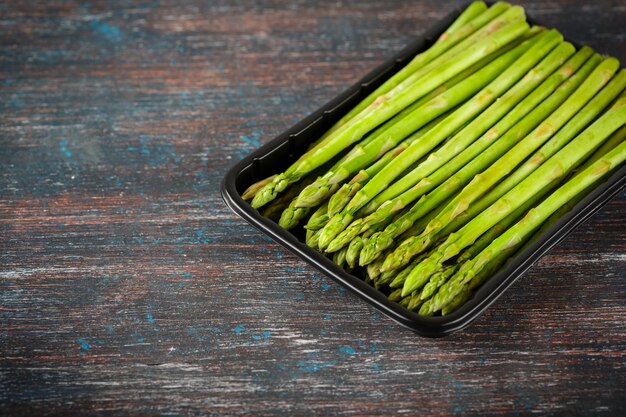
pixel 127 286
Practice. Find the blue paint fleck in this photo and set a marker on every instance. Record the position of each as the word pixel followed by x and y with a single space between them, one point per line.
pixel 376 367
pixel 300 296
pixel 327 316
pixel 267 334
pixel 140 340
pixel 254 138
pixel 84 344
pixel 107 31
pixel 308 366
pixel 63 146
pixel 239 329
pixel 349 350
pixel 149 315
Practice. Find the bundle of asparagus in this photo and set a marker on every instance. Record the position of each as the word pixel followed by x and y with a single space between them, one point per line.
pixel 458 160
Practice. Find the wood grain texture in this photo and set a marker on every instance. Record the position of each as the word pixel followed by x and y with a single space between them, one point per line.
pixel 128 287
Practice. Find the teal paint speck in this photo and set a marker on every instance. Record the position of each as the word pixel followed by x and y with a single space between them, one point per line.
pixel 84 345
pixel 300 296
pixel 311 367
pixel 253 138
pixel 239 329
pixel 63 147
pixel 108 32
pixel 149 315
pixel 348 350
pixel 267 334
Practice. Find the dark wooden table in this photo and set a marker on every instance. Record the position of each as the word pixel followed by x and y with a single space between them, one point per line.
pixel 127 286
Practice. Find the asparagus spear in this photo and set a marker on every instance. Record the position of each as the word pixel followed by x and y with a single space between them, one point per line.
pixel 251 191
pixel 429 56
pixel 470 12
pixel 319 217
pixel 398 282
pixel 273 210
pixel 396 295
pixel 311 238
pixel 292 215
pixel 482 182
pixel 340 198
pixel 536 216
pixel 576 124
pixel 490 236
pixel 496 111
pixel 354 248
pixel 452 93
pixel 385 107
pixel 436 281
pixel 339 258
pixel 466 136
pixel 418 149
pixel 457 302
pixel 553 169
pixel 484 151
pixel 615 139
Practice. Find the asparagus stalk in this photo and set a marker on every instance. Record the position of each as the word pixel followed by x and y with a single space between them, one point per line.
pixel 292 215
pixel 450 94
pixel 319 217
pixel 482 182
pixel 339 258
pixel 553 169
pixel 274 210
pixel 435 136
pixel 576 124
pixel 398 282
pixel 396 295
pixel 495 112
pixel 457 302
pixel 432 55
pixel 436 281
pixel 494 143
pixel 386 106
pixel 521 230
pixel 471 12
pixel 339 199
pixel 466 136
pixel 311 238
pixel 465 17
pixel 615 139
pixel 490 236
pixel 356 244
pixel 251 191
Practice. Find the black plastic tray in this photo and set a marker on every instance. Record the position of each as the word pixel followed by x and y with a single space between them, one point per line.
pixel 279 153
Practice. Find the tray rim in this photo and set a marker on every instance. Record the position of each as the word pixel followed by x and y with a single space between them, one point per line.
pixel 489 292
